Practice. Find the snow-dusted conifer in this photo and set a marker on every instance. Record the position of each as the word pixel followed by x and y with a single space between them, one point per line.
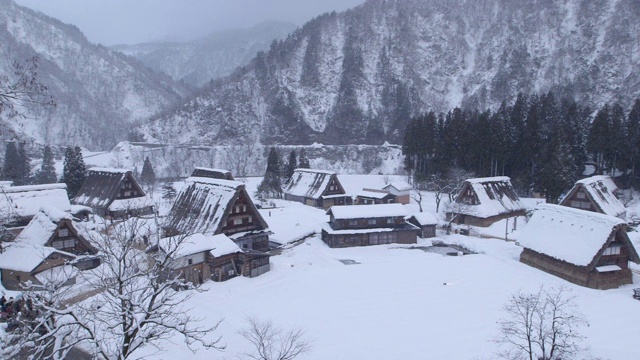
pixel 47 172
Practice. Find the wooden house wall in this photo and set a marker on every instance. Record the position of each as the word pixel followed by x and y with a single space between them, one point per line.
pixel 259 242
pixel 241 216
pixel 328 203
pixel 483 222
pixel 579 275
pixel 404 236
pixel 79 245
pixel 223 268
pixel 11 279
pixel 367 223
pixel 580 200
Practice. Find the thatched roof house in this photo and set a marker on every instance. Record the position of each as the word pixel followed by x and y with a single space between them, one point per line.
pixel 113 193
pixel 55 228
pixel 19 204
pixel 20 263
pixel 317 188
pixel 212 173
pixel 215 206
pixel 483 201
pixel 596 193
pixel 585 248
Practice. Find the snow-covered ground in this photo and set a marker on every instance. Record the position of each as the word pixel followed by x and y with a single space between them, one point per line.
pixel 395 301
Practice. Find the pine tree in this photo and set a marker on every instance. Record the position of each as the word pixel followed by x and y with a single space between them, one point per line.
pixel 291 165
pixel 47 172
pixel 303 161
pixel 270 185
pixel 598 137
pixel 633 141
pixel 148 176
pixel 74 170
pixel 24 166
pixel 10 167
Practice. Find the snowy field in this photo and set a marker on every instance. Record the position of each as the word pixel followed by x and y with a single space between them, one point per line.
pixel 395 302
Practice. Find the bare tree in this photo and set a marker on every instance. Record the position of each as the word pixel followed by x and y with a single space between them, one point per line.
pixel 270 342
pixel 455 211
pixel 132 302
pixel 238 157
pixel 542 326
pixel 23 88
pixel 416 195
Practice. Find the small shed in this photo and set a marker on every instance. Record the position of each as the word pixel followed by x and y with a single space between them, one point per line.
pixel 373 196
pixel 596 193
pixel 483 201
pixel 583 247
pixel 317 188
pixel 401 190
pixel 426 221
pixel 212 173
pixel 113 193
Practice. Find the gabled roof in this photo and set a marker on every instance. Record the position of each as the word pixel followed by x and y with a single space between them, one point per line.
pixel 25 201
pixel 101 187
pixel 601 191
pixel 212 173
pixel 373 194
pixel 345 212
pixel 399 185
pixel 42 226
pixel 26 258
pixel 309 183
pixel 202 205
pixel 495 196
pixel 571 235
pixel 424 218
pixel 217 245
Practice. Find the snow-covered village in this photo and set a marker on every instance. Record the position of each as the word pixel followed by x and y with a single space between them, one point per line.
pixel 298 180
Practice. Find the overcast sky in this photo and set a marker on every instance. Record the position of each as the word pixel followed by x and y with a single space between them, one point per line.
pixel 111 22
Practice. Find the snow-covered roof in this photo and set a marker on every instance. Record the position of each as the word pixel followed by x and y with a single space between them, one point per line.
pixel 212 173
pixel 495 196
pixel 327 227
pixel 367 211
pixel 58 274
pixel 601 189
pixel 399 185
pixel 40 228
pixel 6 183
pixel 23 257
pixel 568 234
pixel 309 183
pixel 224 246
pixel 201 204
pixel 25 201
pixel 131 203
pixel 102 185
pixel 373 194
pixel 425 218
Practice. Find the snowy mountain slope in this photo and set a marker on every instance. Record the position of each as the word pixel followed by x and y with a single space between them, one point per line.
pixel 212 57
pixel 99 93
pixel 357 76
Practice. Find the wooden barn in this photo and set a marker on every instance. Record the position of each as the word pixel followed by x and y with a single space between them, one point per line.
pixel 596 193
pixel 199 257
pixel 368 225
pixel 113 194
pixel 317 188
pixel 374 196
pixel 215 206
pixel 19 204
pixel 212 173
pixel 427 222
pixel 483 201
pixel 22 263
pixel 583 247
pixel 401 190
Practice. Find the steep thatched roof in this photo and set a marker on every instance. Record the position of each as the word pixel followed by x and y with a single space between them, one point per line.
pixel 102 185
pixel 309 183
pixel 494 195
pixel 203 205
pixel 25 201
pixel 600 190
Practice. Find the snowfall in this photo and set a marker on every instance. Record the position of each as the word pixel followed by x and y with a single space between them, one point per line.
pixel 394 301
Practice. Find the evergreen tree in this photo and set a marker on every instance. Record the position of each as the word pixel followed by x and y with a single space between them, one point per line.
pixel 24 166
pixel 598 137
pixel 632 128
pixel 291 165
pixel 74 170
pixel 47 172
pixel 10 167
pixel 148 176
pixel 270 185
pixel 303 161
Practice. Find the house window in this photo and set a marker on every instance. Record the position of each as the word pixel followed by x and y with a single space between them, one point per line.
pixel 250 219
pixel 64 244
pixel 237 221
pixel 353 222
pixel 371 221
pixel 612 250
pixel 580 195
pixel 390 221
pixel 190 261
pixel 63 232
pixel 127 193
